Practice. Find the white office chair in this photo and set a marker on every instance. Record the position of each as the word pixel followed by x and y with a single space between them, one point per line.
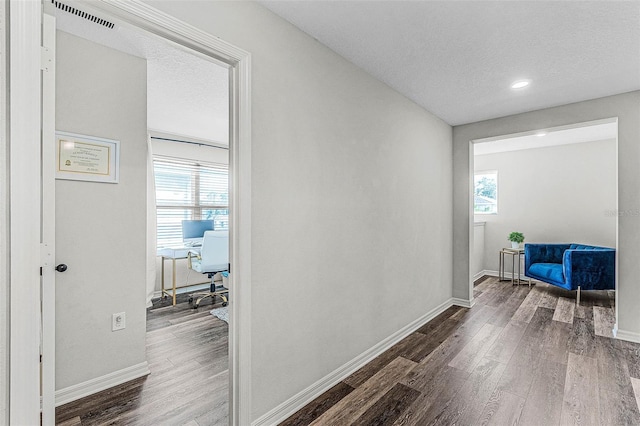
pixel 212 258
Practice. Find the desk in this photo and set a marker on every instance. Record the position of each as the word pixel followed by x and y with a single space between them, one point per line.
pixel 515 253
pixel 174 253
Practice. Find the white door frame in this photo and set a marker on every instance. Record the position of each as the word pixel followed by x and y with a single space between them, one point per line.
pixel 25 53
pixel 25 18
pixel 4 224
pixel 48 218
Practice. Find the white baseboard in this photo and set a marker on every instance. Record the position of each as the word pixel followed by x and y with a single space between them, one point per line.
pixel 629 336
pixel 81 390
pixel 296 402
pixel 463 302
pixel 497 274
pixel 485 272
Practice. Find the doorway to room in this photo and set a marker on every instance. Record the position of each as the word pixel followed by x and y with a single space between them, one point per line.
pixel 553 185
pixel 182 100
pixel 133 159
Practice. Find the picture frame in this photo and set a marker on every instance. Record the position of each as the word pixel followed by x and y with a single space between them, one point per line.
pixel 87 158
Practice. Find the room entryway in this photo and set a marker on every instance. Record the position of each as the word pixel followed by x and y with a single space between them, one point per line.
pixel 106 339
pixel 544 186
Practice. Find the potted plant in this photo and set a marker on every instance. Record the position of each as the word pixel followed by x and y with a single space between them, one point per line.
pixel 516 239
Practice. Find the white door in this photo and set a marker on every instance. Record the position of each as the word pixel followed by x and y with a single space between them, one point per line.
pixel 47 232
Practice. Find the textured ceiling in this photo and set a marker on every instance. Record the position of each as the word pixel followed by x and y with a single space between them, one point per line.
pixel 457 59
pixel 186 94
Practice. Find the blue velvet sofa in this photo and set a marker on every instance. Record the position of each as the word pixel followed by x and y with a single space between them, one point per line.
pixel 571 266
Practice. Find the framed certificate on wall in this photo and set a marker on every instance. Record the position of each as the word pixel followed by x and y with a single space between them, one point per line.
pixel 88 158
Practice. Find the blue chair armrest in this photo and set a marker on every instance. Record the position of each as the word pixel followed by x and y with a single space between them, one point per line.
pixel 590 269
pixel 543 253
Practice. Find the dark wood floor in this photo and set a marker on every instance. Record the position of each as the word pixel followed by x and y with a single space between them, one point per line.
pixel 187 351
pixel 521 355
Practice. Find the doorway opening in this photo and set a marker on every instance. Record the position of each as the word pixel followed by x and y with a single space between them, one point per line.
pixel 237 218
pixel 553 185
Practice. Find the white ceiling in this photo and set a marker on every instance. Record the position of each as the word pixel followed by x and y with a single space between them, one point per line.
pixel 588 132
pixel 457 59
pixel 186 94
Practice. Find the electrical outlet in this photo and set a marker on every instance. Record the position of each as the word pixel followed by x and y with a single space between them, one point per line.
pixel 118 321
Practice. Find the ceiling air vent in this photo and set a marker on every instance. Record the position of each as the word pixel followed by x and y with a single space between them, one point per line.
pixel 82 14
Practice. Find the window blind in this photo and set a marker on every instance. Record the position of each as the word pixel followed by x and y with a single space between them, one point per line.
pixel 188 190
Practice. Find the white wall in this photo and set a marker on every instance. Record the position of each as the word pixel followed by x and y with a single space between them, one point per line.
pixel 626 107
pixel 554 194
pixel 101 228
pixel 351 202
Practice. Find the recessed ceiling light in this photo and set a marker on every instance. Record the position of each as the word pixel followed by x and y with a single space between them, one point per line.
pixel 541 134
pixel 520 84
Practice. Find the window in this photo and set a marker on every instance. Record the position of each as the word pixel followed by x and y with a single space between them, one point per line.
pixel 189 190
pixel 485 193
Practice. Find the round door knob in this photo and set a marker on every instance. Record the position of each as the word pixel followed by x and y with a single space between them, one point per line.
pixel 61 267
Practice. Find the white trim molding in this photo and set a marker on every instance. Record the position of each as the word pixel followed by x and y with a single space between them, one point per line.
pixel 480 275
pixel 48 221
pixel 4 223
pixel 463 302
pixel 81 390
pixel 24 31
pixel 296 402
pixel 629 336
pixel 497 274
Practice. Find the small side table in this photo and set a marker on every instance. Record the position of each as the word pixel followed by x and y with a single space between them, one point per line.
pixel 515 253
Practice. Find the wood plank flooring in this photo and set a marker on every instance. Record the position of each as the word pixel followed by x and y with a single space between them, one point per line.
pixel 187 352
pixel 521 355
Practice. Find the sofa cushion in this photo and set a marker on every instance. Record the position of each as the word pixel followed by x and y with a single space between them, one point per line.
pixel 549 272
pixel 584 247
